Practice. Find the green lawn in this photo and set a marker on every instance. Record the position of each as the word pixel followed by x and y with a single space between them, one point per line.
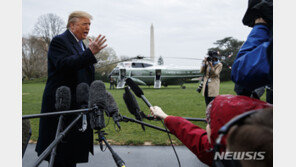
pixel 173 100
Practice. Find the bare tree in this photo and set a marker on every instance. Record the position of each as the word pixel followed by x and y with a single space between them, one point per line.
pixel 33 57
pixel 124 57
pixel 48 26
pixel 34 48
pixel 106 56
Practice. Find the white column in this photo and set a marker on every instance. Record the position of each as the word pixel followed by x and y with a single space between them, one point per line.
pixel 152 42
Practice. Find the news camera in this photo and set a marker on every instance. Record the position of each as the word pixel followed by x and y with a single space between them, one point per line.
pixel 212 55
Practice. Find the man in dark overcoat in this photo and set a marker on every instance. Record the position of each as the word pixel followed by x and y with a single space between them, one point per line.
pixel 69 63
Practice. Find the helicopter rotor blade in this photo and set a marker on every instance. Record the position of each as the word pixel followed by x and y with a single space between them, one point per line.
pixel 183 58
pixel 100 65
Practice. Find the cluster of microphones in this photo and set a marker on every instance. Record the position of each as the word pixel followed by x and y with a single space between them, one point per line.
pixel 95 98
pixel 94 102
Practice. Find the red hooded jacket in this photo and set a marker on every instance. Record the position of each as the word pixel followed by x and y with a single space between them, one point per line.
pixel 222 109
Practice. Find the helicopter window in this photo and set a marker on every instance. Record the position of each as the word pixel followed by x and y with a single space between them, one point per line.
pixel 115 72
pixel 140 65
pixel 137 65
pixel 146 65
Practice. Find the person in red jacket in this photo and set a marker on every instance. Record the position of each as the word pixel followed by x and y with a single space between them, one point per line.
pixel 222 109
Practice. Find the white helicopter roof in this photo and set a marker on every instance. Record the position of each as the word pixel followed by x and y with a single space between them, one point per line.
pixel 142 64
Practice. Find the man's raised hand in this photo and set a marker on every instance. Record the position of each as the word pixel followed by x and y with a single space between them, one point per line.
pixel 97 45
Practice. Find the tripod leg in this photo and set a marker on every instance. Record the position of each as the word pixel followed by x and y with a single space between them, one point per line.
pixel 55 142
pixel 119 162
pixel 53 153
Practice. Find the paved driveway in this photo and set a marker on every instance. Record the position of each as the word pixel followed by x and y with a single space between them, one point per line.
pixel 133 156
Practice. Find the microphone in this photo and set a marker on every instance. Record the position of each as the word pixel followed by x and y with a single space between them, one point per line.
pixel 62 103
pixel 112 109
pixel 97 98
pixel 63 98
pixel 132 105
pixel 82 93
pixel 137 90
pixel 111 104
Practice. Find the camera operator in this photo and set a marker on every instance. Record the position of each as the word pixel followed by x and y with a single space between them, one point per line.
pixel 211 67
pixel 253 66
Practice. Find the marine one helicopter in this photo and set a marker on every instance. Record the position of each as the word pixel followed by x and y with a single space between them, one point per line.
pixel 145 72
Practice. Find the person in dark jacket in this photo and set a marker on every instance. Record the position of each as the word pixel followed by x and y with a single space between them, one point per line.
pixel 222 109
pixel 69 63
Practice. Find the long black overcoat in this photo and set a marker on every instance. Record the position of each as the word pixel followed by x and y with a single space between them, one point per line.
pixel 68 65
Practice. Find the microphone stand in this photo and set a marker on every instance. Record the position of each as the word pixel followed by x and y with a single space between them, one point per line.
pixel 68 112
pixel 101 134
pixel 99 124
pixel 127 119
pixel 59 135
pixel 56 141
pixel 53 153
pixel 195 119
pixel 158 119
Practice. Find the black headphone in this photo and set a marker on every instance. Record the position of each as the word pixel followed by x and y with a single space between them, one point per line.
pixel 238 120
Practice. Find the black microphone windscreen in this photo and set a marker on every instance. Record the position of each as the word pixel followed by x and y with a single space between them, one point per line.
pixel 97 95
pixel 136 89
pixel 111 104
pixel 63 98
pixel 131 103
pixel 82 93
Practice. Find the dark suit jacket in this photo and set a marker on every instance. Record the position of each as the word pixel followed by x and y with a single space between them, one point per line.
pixel 68 65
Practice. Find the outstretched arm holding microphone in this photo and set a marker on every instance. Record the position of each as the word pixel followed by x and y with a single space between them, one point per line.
pixel 189 134
pixel 222 109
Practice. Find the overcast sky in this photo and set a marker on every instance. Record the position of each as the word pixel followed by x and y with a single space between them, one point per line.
pixel 182 28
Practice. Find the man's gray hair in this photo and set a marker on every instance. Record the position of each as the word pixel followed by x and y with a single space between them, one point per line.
pixel 74 16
